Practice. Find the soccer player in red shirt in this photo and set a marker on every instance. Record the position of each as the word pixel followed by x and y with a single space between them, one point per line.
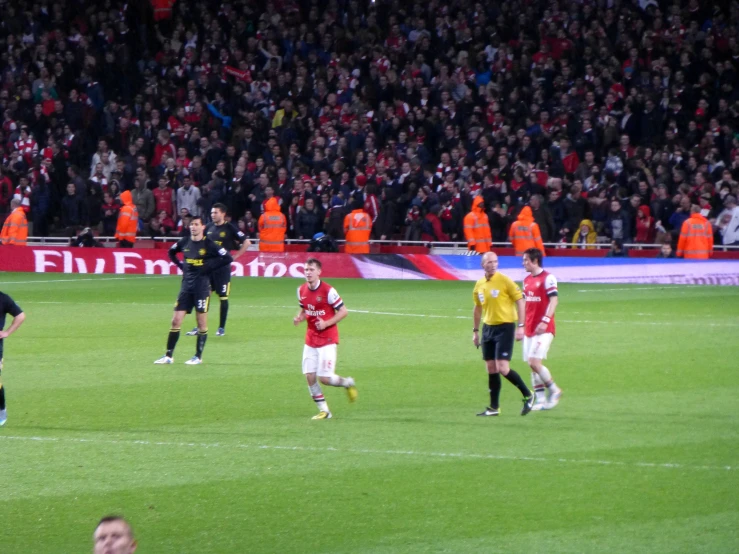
pixel 540 293
pixel 323 308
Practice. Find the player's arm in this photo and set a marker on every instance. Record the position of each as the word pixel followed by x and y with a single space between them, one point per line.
pixel 476 317
pixel 521 309
pixel 301 317
pixel 340 314
pixel 551 288
pixel 245 244
pixel 17 322
pixel 219 258
pixel 175 249
pixel 340 311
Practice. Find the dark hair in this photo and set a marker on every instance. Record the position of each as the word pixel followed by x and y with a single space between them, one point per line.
pixel 194 217
pixel 221 207
pixel 535 255
pixel 314 261
pixel 108 519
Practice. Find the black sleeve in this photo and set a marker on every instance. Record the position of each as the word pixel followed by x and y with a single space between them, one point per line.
pixel 174 250
pixel 238 236
pixel 8 306
pixel 217 258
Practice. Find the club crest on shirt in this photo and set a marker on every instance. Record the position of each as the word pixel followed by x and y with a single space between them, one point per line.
pixel 319 298
pixel 223 233
pixel 201 251
pixel 495 293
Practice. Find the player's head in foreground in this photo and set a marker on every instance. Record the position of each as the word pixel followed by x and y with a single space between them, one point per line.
pixel 532 260
pixel 113 535
pixel 218 213
pixel 312 270
pixel 490 263
pixel 196 228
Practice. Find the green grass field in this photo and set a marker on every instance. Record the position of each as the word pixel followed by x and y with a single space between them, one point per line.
pixel 640 456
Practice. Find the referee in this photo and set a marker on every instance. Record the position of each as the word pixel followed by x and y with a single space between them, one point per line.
pixel 500 301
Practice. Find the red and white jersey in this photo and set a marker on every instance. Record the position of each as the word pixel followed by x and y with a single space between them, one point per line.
pixel 537 290
pixel 322 302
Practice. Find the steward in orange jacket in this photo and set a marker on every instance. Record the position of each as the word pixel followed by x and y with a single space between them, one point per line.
pixel 128 221
pixel 357 229
pixel 15 228
pixel 272 227
pixel 696 237
pixel 524 233
pixel 477 228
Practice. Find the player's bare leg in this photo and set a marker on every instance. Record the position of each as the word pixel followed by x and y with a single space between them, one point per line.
pixel 545 377
pixel 345 382
pixel 317 394
pixel 172 338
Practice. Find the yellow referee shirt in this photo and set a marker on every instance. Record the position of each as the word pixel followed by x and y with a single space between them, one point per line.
pixel 497 296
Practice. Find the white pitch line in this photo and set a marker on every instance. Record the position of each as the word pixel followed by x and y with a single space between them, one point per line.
pixel 428 316
pixel 42 282
pixel 457 455
pixel 665 287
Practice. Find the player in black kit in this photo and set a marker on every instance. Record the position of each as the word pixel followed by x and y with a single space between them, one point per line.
pixel 7 307
pixel 201 257
pixel 226 235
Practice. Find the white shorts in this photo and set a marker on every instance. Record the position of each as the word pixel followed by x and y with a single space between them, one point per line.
pixel 319 360
pixel 537 346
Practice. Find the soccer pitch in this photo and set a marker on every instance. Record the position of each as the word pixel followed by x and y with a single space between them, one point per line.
pixel 640 456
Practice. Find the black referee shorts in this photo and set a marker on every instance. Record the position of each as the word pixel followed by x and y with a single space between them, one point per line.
pixel 497 341
pixel 220 281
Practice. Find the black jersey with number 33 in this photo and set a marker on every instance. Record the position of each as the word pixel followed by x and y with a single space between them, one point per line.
pixel 200 258
pixel 227 235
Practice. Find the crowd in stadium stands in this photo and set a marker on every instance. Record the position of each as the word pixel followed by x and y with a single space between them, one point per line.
pixel 608 120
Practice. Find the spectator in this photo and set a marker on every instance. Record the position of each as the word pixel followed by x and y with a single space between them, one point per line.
pixel 585 236
pixel 308 221
pixel 618 224
pixel 542 217
pixel 727 221
pixel 576 207
pixel 144 201
pixel 617 249
pixel 645 230
pixel 666 250
pixel 109 214
pixel 188 197
pixel 431 228
pixel 272 227
pixel 73 211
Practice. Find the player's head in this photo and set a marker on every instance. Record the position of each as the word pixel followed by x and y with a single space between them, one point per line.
pixel 532 259
pixel 218 213
pixel 490 263
pixel 312 270
pixel 113 535
pixel 196 227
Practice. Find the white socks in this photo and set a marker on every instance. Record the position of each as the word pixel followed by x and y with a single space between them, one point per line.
pixel 317 394
pixel 336 381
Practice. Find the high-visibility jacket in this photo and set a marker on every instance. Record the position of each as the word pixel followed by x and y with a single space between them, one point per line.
pixel 525 233
pixel 272 227
pixel 696 238
pixel 162 9
pixel 357 229
pixel 477 228
pixel 128 219
pixel 15 228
